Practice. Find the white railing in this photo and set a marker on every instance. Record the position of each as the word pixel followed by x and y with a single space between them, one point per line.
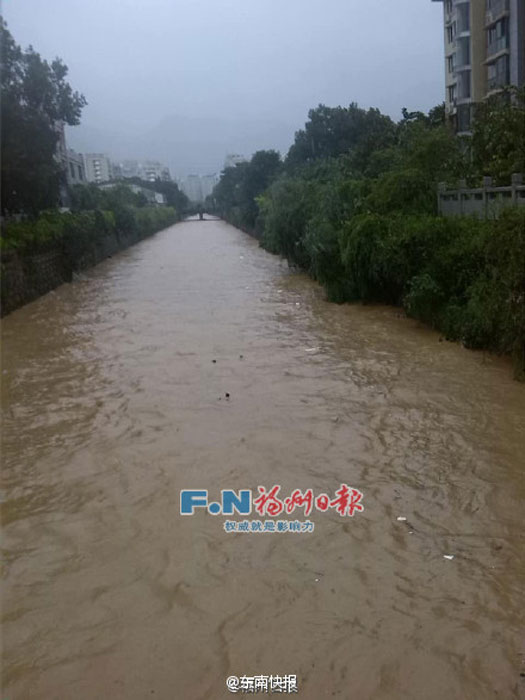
pixel 485 202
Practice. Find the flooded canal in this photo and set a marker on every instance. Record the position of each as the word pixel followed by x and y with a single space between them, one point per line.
pixel 113 403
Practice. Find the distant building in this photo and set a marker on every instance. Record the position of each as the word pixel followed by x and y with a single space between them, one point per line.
pixel 233 159
pixel 75 170
pixel 98 167
pixel 71 164
pixel 192 188
pixel 152 196
pixel 153 170
pixel 484 52
pixel 208 182
pixel 149 170
pixel 129 168
pixel 198 187
pixel 116 169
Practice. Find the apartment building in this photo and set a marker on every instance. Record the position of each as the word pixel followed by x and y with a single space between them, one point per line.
pixel 233 159
pixel 192 188
pixel 153 170
pixel 98 167
pixel 150 170
pixel 484 52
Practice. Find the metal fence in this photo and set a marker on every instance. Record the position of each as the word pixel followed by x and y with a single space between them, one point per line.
pixel 486 202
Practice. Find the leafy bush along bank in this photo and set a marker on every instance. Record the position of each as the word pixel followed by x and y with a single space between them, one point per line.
pixel 354 204
pixel 39 255
pixel 81 231
pixel 464 277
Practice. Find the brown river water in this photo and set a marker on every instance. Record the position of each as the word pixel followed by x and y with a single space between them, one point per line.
pixel 112 404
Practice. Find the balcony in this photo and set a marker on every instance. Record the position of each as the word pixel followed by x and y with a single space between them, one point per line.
pixel 497 9
pixel 497 82
pixel 498 75
pixel 462 61
pixel 497 46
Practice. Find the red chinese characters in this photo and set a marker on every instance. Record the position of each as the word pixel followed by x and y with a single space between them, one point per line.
pixel 347 501
pixel 268 503
pixel 298 499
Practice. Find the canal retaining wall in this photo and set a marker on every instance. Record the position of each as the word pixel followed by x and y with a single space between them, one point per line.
pixel 28 275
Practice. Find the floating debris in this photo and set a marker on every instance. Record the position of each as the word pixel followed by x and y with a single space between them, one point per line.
pixel 401 518
pixel 311 349
pixel 448 556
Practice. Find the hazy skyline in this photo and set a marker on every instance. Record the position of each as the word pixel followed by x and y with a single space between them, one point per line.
pixel 186 82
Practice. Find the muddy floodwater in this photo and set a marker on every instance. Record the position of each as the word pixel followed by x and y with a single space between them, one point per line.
pixel 113 403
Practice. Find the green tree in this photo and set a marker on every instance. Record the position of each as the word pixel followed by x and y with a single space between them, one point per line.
pixel 334 131
pixel 227 192
pixel 36 101
pixel 174 195
pixel 257 176
pixel 498 135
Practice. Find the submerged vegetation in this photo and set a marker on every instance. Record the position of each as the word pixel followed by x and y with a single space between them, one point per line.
pixel 354 204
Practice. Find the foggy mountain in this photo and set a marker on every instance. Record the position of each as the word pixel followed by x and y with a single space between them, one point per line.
pixel 187 145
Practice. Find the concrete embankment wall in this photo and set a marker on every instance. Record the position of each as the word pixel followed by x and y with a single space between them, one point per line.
pixel 28 275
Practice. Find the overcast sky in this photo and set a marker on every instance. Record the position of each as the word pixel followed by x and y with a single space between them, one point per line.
pixel 242 71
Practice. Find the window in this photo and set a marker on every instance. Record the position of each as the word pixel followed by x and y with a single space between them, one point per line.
pixel 498 73
pixel 463 91
pixel 498 36
pixel 72 170
pixel 463 52
pixel 80 176
pixel 451 32
pixel 452 93
pixel 464 118
pixel 451 63
pixel 496 6
pixel 463 18
pixel 448 6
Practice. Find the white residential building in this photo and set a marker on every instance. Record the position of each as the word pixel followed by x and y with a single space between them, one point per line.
pixel 149 170
pixel 98 167
pixel 484 52
pixel 233 159
pixel 208 182
pixel 192 188
pixel 153 170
